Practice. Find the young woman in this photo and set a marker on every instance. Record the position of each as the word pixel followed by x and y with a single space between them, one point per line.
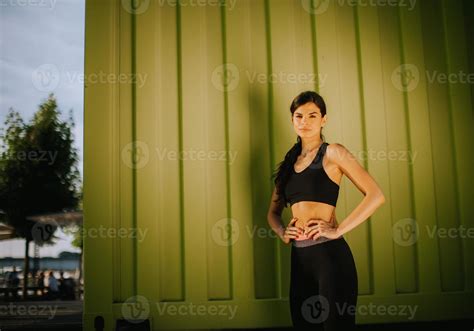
pixel 323 283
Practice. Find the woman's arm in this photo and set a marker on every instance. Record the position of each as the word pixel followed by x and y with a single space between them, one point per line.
pixel 274 215
pixel 333 220
pixel 373 195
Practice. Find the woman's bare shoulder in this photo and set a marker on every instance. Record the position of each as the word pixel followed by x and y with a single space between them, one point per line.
pixel 336 151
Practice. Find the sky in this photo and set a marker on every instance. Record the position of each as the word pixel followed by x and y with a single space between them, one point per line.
pixel 42 51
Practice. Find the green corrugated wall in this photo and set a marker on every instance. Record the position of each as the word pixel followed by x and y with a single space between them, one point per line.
pixel 196 183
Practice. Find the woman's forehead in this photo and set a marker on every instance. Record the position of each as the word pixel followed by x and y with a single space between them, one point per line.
pixel 308 108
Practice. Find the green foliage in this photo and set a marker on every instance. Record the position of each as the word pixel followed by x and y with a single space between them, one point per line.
pixel 38 167
pixel 68 255
pixel 76 231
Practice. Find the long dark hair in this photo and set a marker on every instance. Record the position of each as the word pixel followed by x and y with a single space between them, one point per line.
pixel 284 168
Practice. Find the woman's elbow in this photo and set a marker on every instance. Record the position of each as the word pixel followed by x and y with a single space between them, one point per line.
pixel 268 217
pixel 380 197
pixel 271 215
pixel 377 196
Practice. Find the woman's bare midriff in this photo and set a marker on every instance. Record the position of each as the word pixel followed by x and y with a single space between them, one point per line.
pixel 306 210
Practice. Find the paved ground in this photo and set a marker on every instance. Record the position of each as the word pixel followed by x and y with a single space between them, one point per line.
pixel 67 315
pixel 39 315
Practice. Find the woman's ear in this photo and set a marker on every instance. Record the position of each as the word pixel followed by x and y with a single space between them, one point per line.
pixel 323 121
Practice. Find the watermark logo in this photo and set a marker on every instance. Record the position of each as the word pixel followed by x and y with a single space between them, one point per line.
pixel 43 231
pixel 372 309
pixel 405 232
pixel 46 77
pixel 192 309
pixel 135 154
pixel 48 157
pixel 406 77
pixel 102 232
pixel 136 7
pixel 136 309
pixel 140 156
pixel 228 4
pixel 315 309
pixel 197 155
pixel 450 233
pixel 225 77
pixel 315 7
pixel 28 3
pixel 460 77
pixel 284 77
pixel 225 232
pixel 30 311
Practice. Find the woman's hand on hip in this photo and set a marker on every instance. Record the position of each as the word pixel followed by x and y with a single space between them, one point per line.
pixel 291 231
pixel 316 228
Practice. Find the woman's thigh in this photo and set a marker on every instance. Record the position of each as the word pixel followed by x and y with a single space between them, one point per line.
pixel 338 285
pixel 303 289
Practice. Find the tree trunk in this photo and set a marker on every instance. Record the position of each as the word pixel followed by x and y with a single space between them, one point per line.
pixel 80 281
pixel 80 265
pixel 26 269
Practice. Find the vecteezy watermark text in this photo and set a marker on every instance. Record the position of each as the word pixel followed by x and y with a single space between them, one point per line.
pixel 137 308
pixel 28 3
pixel 16 309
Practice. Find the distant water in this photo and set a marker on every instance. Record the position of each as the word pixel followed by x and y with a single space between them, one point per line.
pixel 6 264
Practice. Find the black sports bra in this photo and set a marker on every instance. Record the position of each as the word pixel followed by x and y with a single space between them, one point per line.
pixel 313 183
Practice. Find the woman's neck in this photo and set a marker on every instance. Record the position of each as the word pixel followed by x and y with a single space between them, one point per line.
pixel 310 144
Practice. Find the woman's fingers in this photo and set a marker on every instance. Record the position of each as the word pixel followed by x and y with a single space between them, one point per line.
pixel 314 221
pixel 312 224
pixel 309 228
pixel 297 229
pixel 293 221
pixel 317 227
pixel 313 232
pixel 314 227
pixel 293 231
pixel 318 230
pixel 291 235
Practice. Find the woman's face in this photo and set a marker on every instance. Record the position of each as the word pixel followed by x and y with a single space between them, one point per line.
pixel 307 120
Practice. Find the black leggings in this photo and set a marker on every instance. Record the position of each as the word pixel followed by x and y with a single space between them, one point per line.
pixel 323 286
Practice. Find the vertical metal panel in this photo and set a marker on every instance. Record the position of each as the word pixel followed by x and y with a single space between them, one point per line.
pixel 461 106
pixel 101 163
pixel 419 141
pixel 240 109
pixel 208 116
pixel 372 88
pixel 400 187
pixel 205 188
pixel 169 210
pixel 265 252
pixel 445 178
pixel 123 126
pixel 468 23
pixel 348 124
pixel 290 53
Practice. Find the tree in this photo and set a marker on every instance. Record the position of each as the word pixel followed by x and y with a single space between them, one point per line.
pixel 38 172
pixel 77 232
